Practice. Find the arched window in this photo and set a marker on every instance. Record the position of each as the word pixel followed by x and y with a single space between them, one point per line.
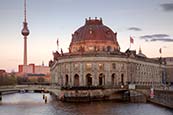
pixel 89 79
pixel 113 79
pixel 66 80
pixel 76 80
pixel 109 48
pixel 101 79
pixel 113 66
pixel 122 79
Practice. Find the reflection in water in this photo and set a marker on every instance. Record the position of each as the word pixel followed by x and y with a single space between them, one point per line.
pixel 24 98
pixel 33 104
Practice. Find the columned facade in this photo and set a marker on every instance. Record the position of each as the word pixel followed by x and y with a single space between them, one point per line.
pixel 99 71
pixel 94 59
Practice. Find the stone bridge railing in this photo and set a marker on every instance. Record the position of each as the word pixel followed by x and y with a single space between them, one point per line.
pixel 163 97
pixel 26 87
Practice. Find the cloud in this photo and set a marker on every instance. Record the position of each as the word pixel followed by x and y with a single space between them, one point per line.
pixel 135 29
pixel 157 37
pixel 154 36
pixel 164 40
pixel 167 6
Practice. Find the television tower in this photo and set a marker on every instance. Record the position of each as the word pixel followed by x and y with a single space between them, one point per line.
pixel 25 33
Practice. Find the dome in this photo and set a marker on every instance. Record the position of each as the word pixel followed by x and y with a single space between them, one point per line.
pixel 94 35
pixel 141 54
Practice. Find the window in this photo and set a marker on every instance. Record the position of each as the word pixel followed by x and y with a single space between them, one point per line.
pixel 88 79
pixel 88 66
pixel 76 80
pixel 66 68
pixel 66 80
pixel 101 66
pixel 91 48
pixel 76 66
pixel 122 79
pixel 113 66
pixel 122 66
pixel 113 79
pixel 101 79
pixel 109 48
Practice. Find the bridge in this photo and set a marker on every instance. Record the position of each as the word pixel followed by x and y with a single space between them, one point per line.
pixel 29 88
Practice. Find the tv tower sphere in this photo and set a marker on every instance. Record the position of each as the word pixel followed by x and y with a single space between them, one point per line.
pixel 25 30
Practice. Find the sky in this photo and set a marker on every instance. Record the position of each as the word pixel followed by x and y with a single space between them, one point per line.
pixel 149 22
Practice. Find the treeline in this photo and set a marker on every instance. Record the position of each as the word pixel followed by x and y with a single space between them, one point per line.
pixel 8 80
pixel 26 80
pixel 14 80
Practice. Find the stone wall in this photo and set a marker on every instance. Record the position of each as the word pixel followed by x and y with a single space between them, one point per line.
pixel 163 97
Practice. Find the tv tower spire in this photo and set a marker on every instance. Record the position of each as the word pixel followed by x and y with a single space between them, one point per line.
pixel 25 33
pixel 24 10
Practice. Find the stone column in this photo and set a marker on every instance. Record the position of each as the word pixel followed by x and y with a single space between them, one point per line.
pixel 71 74
pixel 95 74
pixel 61 75
pixel 82 83
pixel 107 76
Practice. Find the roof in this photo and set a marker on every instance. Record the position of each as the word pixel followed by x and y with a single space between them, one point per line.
pixel 94 29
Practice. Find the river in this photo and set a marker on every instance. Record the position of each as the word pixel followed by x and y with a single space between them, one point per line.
pixel 33 104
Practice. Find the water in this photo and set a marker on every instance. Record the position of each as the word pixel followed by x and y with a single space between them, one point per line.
pixel 33 104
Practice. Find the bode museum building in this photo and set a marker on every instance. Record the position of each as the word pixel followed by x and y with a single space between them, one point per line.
pixel 94 59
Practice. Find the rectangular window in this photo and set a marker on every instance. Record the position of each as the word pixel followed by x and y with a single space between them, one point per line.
pixel 91 48
pixel 101 66
pixel 76 66
pixel 88 66
pixel 113 66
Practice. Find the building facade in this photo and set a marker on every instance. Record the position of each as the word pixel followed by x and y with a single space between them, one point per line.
pixel 94 59
pixel 169 69
pixel 3 73
pixel 34 69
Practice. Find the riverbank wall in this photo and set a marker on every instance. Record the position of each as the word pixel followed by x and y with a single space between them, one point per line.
pixel 86 94
pixel 163 98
